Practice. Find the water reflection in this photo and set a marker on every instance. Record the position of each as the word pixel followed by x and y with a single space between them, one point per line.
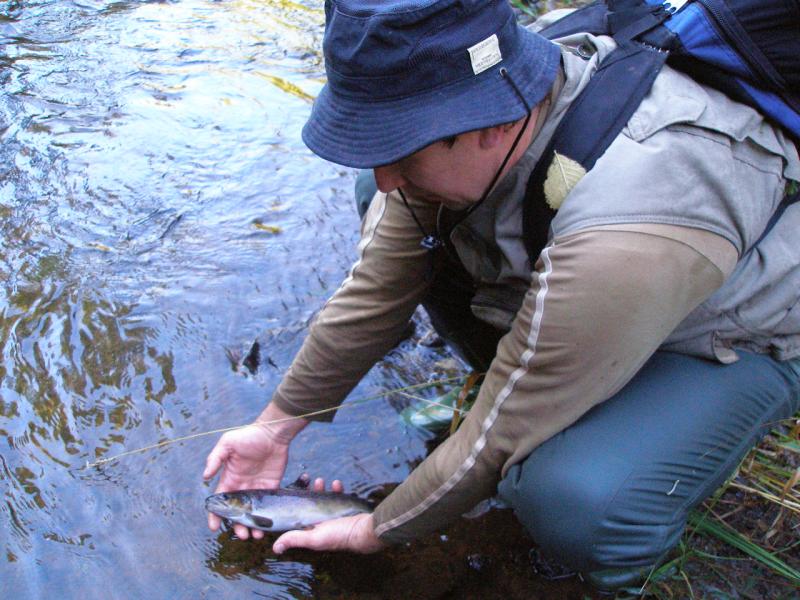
pixel 68 356
pixel 140 143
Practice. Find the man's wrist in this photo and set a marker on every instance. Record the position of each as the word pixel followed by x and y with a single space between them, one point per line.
pixel 283 426
pixel 371 542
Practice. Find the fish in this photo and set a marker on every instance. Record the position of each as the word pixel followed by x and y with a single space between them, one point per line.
pixel 284 509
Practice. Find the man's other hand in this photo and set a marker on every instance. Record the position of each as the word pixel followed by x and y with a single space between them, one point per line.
pixel 253 457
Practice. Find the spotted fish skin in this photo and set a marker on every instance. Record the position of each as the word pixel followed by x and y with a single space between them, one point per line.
pixel 284 509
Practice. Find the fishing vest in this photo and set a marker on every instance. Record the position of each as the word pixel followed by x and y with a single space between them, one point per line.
pixel 756 308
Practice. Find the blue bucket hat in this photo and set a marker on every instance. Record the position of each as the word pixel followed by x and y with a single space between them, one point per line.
pixel 403 74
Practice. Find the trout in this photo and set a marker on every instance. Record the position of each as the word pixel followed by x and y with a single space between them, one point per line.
pixel 284 509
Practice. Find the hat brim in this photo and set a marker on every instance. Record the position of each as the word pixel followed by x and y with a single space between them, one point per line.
pixel 362 134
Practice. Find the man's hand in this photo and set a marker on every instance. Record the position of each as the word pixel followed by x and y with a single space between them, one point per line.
pixel 253 457
pixel 356 534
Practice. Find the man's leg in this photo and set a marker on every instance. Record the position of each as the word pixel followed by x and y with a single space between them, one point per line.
pixel 448 300
pixel 610 494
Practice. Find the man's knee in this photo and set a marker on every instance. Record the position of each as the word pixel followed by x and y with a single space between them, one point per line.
pixel 614 489
pixel 587 518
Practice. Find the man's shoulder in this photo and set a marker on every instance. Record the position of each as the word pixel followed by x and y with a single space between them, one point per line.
pixel 676 101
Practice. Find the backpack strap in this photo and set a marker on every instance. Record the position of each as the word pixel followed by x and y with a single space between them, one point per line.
pixel 591 123
pixel 589 19
pixel 626 75
pixel 604 107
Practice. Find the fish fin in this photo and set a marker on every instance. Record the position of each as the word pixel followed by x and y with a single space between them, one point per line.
pixel 261 522
pixel 301 483
pixel 253 357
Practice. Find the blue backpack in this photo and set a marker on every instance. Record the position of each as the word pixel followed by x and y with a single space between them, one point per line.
pixel 748 49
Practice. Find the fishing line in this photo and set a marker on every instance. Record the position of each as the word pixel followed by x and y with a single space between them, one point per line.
pixel 315 413
pixel 433 403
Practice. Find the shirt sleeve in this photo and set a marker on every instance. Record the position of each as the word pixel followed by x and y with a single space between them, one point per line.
pixel 600 303
pixel 367 314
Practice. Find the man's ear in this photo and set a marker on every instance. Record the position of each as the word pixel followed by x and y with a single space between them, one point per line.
pixel 491 137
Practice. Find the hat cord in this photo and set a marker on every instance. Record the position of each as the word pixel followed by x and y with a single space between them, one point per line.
pixel 506 75
pixel 433 241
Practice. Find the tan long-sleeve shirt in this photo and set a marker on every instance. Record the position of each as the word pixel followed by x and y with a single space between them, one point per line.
pixel 601 301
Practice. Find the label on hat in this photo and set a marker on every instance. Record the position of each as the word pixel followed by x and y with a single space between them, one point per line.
pixel 485 54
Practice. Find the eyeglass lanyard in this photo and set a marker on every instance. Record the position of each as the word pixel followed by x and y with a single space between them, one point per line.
pixel 433 241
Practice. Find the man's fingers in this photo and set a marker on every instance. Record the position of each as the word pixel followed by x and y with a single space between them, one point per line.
pixel 319 485
pixel 241 531
pixel 347 533
pixel 214 522
pixel 297 539
pixel 214 461
pixel 328 535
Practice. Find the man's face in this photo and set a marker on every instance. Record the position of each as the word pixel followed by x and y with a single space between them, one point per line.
pixel 454 176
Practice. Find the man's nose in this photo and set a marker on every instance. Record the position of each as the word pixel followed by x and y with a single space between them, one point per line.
pixel 388 178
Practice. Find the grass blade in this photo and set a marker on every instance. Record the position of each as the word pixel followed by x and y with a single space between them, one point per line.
pixel 701 524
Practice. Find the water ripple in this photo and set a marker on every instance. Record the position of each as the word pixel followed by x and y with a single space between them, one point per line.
pixel 141 141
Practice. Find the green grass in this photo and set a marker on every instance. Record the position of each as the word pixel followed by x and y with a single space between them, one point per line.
pixel 742 542
pixel 701 523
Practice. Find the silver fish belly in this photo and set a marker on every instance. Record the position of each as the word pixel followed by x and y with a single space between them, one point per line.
pixel 283 509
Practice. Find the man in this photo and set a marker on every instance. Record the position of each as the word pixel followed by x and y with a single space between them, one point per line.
pixel 629 369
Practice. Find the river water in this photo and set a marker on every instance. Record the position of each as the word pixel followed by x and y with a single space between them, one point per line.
pixel 158 213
